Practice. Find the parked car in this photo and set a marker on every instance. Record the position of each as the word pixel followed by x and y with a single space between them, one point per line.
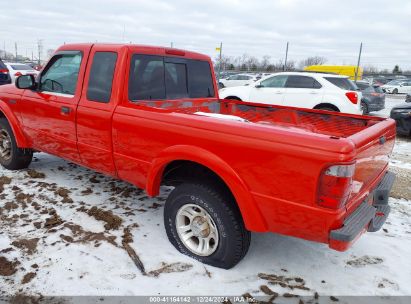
pixel 152 116
pixel 376 81
pixel 373 97
pixel 397 86
pixel 34 65
pixel 408 98
pixel 301 89
pixel 4 74
pixel 402 116
pixel 226 74
pixel 237 80
pixel 18 69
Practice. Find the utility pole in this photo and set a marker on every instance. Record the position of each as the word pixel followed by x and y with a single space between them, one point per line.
pixel 15 47
pixel 4 49
pixel 286 57
pixel 40 49
pixel 358 62
pixel 220 63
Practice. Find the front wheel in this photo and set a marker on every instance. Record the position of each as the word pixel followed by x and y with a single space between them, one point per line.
pixel 11 156
pixel 205 224
pixel 395 91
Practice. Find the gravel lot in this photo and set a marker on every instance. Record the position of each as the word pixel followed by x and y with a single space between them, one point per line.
pixel 65 230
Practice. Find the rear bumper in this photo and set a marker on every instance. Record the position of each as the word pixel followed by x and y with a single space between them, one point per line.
pixel 365 217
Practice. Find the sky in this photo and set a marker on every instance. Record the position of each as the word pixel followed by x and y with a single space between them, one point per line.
pixel 332 29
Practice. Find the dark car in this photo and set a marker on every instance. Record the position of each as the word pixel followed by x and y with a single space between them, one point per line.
pixel 4 74
pixel 402 116
pixel 373 97
pixel 408 98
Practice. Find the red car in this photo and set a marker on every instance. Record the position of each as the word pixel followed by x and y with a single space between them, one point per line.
pixel 152 116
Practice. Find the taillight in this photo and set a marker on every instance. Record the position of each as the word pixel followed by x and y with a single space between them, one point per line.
pixel 18 74
pixel 352 96
pixel 335 186
pixel 4 71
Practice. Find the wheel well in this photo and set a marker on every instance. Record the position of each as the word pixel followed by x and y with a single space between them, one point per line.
pixel 233 97
pixel 326 105
pixel 2 115
pixel 180 171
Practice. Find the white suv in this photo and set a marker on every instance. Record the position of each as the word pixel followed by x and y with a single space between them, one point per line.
pixel 301 89
pixel 237 80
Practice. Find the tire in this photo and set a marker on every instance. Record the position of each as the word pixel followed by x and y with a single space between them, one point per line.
pixel 395 91
pixel 219 218
pixel 11 156
pixel 364 108
pixel 221 85
pixel 327 109
pixel 233 98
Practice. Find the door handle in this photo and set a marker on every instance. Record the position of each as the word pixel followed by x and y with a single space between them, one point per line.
pixel 278 92
pixel 65 110
pixel 313 92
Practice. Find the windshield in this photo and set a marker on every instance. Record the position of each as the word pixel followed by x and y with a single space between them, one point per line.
pixel 342 83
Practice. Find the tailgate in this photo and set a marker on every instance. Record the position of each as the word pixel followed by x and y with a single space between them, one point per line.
pixel 373 146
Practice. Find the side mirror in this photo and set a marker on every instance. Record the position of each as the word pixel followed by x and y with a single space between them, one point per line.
pixel 26 82
pixel 258 86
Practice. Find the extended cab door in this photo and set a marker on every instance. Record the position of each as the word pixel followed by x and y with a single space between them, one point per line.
pixel 49 113
pixel 95 110
pixel 269 91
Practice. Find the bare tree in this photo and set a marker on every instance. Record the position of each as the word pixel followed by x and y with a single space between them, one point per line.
pixel 314 60
pixel 370 69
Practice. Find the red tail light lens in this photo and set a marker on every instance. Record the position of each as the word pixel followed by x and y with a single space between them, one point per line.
pixel 352 96
pixel 18 74
pixel 335 186
pixel 4 71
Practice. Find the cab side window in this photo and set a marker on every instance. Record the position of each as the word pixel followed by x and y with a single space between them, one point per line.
pixel 101 76
pixel 275 82
pixel 61 74
pixel 146 80
pixel 302 82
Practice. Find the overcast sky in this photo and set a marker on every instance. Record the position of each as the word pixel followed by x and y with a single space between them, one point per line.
pixel 329 28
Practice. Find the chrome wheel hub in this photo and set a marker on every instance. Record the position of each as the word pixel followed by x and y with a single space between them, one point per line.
pixel 5 145
pixel 197 230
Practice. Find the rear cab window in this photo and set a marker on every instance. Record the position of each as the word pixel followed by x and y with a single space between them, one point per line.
pixel 342 83
pixel 161 77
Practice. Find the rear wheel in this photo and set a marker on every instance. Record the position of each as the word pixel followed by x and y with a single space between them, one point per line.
pixel 11 156
pixel 395 91
pixel 203 222
pixel 220 85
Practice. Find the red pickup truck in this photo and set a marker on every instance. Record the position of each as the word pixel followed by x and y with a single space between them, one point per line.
pixel 152 116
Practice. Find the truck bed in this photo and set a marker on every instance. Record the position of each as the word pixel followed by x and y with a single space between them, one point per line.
pixel 312 121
